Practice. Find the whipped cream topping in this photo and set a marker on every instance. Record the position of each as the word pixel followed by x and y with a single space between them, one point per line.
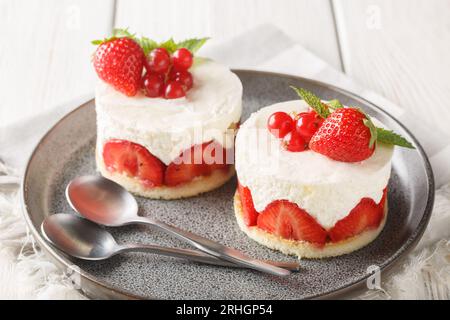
pixel 168 127
pixel 327 189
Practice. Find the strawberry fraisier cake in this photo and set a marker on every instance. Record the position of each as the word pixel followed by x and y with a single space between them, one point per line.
pixel 313 177
pixel 166 121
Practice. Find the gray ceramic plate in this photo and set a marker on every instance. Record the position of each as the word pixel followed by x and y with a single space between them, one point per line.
pixel 67 151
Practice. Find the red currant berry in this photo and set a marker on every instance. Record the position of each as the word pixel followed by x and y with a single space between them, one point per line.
pixel 183 77
pixel 174 90
pixel 280 124
pixel 294 142
pixel 153 85
pixel 158 60
pixel 307 124
pixel 182 59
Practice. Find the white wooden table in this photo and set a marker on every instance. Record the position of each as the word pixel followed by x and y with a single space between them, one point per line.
pixel 400 49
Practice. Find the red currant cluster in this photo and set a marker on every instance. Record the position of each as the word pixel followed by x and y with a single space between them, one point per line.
pixel 296 132
pixel 167 76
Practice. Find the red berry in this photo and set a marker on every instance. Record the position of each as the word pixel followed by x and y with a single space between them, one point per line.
pixel 174 90
pixel 182 59
pixel 307 124
pixel 158 61
pixel 183 77
pixel 365 216
pixel 287 220
pixel 294 142
pixel 280 124
pixel 248 209
pixel 133 160
pixel 343 136
pixel 119 62
pixel 153 85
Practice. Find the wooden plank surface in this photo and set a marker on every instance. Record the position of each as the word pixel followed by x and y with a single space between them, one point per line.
pixel 45 52
pixel 308 22
pixel 400 49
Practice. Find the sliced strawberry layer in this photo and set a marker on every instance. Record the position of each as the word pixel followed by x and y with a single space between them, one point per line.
pixel 133 160
pixel 248 209
pixel 181 173
pixel 366 215
pixel 287 220
pixel 199 160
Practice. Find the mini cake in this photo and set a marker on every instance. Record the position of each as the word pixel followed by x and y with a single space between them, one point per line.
pixel 166 122
pixel 313 177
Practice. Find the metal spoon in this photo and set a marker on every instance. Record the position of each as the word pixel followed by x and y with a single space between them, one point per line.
pixel 106 202
pixel 86 240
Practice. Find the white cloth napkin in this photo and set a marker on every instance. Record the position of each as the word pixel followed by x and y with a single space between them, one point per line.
pixel 428 264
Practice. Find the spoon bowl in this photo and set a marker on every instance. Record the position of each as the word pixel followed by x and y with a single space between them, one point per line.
pixel 102 201
pixel 78 237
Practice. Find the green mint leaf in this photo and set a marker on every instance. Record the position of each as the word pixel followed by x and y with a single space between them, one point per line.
pixel 373 131
pixel 369 124
pixel 147 44
pixel 390 137
pixel 383 135
pixel 122 33
pixel 313 101
pixel 116 33
pixel 193 45
pixel 169 45
pixel 335 104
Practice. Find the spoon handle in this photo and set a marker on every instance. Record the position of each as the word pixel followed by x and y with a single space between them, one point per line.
pixel 216 249
pixel 194 255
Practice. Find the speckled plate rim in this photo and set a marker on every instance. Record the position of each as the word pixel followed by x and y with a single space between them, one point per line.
pixel 91 283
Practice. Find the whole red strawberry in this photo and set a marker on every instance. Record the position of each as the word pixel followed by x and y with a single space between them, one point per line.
pixel 343 136
pixel 119 62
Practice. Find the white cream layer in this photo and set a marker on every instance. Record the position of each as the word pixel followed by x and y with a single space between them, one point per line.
pixel 168 127
pixel 325 188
